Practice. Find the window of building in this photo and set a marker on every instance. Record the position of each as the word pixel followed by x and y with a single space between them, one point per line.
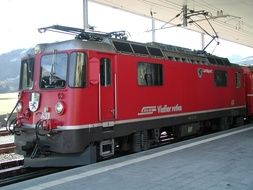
pixel 220 78
pixel 238 79
pixel 150 74
pixel 77 69
pixel 105 72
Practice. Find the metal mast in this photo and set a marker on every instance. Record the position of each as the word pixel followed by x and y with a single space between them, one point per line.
pixel 85 15
pixel 184 13
pixel 153 25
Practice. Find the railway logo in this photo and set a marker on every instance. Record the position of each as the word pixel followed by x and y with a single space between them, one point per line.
pixel 149 110
pixel 34 101
pixel 201 71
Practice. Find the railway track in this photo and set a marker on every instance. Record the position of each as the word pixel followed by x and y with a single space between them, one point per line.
pixel 4 133
pixel 12 163
pixel 7 148
pixel 20 173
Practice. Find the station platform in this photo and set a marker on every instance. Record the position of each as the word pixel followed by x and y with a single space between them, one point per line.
pixel 220 161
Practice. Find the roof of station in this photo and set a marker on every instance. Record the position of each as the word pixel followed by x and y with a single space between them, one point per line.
pixel 231 19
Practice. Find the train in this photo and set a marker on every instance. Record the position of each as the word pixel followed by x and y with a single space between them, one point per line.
pixel 99 95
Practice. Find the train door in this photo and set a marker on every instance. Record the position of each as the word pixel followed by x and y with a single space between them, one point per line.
pixel 107 88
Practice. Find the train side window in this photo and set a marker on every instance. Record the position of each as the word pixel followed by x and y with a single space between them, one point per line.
pixel 150 74
pixel 238 79
pixel 220 78
pixel 105 72
pixel 77 69
pixel 26 74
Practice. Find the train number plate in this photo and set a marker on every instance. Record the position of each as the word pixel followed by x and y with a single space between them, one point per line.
pixel 45 115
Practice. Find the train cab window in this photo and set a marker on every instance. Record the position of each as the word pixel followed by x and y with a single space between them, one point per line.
pixel 150 74
pixel 220 78
pixel 105 72
pixel 26 74
pixel 53 70
pixel 238 79
pixel 77 69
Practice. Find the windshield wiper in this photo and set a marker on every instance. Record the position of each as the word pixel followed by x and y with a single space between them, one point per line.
pixel 52 72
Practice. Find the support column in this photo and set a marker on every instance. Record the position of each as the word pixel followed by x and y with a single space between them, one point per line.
pixel 153 25
pixel 202 41
pixel 185 13
pixel 153 29
pixel 85 15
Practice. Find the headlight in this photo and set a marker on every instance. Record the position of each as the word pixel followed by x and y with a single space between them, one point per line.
pixel 59 108
pixel 19 107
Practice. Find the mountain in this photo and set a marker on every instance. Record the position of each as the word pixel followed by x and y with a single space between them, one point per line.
pixel 9 70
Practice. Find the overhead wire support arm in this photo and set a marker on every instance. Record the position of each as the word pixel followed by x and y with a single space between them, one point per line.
pixel 194 22
pixel 212 36
pixel 204 13
pixel 163 26
pixel 211 26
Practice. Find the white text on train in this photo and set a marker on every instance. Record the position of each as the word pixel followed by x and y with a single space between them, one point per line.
pixel 146 110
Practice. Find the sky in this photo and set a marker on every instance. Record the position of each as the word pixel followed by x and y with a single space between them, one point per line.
pixel 20 19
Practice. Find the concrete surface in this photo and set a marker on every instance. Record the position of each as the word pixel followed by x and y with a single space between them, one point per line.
pixel 218 161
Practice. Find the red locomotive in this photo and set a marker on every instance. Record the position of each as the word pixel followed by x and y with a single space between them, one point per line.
pixel 88 98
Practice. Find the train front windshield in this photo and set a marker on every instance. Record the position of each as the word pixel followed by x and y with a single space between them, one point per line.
pixel 26 74
pixel 53 70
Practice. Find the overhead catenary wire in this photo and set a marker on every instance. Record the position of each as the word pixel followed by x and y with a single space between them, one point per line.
pixel 206 6
pixel 234 28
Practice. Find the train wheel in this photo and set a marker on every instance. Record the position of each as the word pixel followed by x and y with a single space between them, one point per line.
pixel 140 141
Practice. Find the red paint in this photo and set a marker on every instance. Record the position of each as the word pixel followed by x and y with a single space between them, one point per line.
pixel 183 91
pixel 248 74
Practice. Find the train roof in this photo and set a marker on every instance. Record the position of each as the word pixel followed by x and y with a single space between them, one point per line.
pixel 116 42
pixel 76 44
